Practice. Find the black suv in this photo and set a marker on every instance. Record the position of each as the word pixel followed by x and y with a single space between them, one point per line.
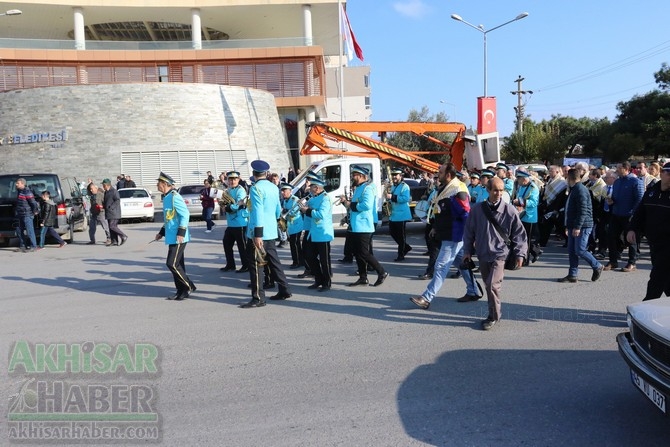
pixel 65 193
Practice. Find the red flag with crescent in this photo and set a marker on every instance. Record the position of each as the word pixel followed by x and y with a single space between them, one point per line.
pixel 486 114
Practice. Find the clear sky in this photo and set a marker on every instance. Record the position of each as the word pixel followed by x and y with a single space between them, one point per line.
pixel 579 57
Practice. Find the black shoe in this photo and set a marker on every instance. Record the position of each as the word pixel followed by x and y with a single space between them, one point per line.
pixel 420 301
pixel 268 285
pixel 407 250
pixel 596 273
pixel 90 243
pixel 380 279
pixel 360 282
pixel 346 261
pixel 253 303
pixel 316 285
pixel 600 256
pixel 294 266
pixel 568 279
pixel 305 274
pixel 465 298
pixel 281 245
pixel 180 295
pixel 399 259
pixel 123 240
pixel 426 276
pixel 227 268
pixel 324 288
pixel 281 296
pixel 455 275
pixel 242 270
pixel 489 323
pixel 426 253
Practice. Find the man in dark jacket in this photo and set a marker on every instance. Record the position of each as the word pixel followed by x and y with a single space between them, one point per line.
pixel 48 219
pixel 579 225
pixel 26 210
pixel 112 203
pixel 651 218
pixel 97 213
pixel 627 192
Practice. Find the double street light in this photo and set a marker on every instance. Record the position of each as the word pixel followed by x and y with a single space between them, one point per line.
pixel 481 29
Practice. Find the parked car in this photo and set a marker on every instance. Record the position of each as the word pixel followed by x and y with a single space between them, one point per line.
pixel 191 195
pixel 646 349
pixel 65 192
pixel 136 203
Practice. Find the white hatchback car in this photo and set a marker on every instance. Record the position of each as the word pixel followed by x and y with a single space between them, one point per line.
pixel 136 203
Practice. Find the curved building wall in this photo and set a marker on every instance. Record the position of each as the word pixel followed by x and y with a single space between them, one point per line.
pixel 99 131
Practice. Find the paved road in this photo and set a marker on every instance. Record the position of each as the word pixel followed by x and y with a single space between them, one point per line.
pixel 353 367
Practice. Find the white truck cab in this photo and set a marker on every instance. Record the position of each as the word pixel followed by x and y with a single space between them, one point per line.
pixel 336 172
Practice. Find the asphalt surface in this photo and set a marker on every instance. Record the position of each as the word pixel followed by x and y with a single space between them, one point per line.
pixel 352 367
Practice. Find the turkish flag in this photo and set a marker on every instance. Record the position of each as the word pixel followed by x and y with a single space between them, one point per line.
pixel 486 114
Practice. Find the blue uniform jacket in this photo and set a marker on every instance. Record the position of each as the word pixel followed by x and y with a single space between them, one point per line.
pixel 321 212
pixel 363 205
pixel 482 193
pixel 531 197
pixel 264 210
pixel 175 216
pixel 294 219
pixel 237 215
pixel 509 185
pixel 400 198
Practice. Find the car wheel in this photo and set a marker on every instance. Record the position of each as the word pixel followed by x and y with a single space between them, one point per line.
pixel 4 242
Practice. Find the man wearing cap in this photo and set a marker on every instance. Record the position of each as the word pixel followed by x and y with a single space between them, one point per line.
pixel 501 172
pixel 236 224
pixel 306 223
pixel 473 189
pixel 651 218
pixel 294 224
pixel 175 231
pixel 399 196
pixel 264 211
pixel 362 206
pixel 482 191
pixel 526 201
pixel 112 203
pixel 321 232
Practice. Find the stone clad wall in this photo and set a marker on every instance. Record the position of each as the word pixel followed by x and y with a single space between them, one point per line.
pixel 102 121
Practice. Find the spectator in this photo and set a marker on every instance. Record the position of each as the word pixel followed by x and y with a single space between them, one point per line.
pixel 112 203
pixel 291 175
pixel 627 192
pixel 48 219
pixel 579 224
pixel 129 183
pixel 26 210
pixel 97 214
pixel 526 202
pixel 210 178
pixel 120 181
pixel 551 205
pixel 207 202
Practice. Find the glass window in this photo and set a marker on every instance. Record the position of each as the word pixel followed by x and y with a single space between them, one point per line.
pixel 332 175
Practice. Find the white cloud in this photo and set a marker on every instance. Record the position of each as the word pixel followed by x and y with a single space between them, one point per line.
pixel 411 8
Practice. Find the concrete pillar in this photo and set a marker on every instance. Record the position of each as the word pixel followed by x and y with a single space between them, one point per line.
pixel 79 33
pixel 305 116
pixel 196 29
pixel 307 24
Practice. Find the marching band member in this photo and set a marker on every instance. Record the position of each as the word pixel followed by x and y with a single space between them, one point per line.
pixel 320 210
pixel 400 197
pixel 237 218
pixel 294 222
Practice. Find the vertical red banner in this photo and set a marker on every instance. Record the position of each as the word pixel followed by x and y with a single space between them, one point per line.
pixel 486 114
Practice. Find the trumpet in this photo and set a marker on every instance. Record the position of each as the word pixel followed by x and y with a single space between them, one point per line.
pixel 386 206
pixel 344 197
pixel 226 198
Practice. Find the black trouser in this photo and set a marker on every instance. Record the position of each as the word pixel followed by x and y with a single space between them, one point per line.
pixel 295 243
pixel 659 278
pixel 533 246
pixel 348 246
pixel 434 247
pixel 306 247
pixel 397 231
pixel 319 262
pixel 231 236
pixel 362 246
pixel 601 232
pixel 175 262
pixel 114 232
pixel 276 272
pixel 618 226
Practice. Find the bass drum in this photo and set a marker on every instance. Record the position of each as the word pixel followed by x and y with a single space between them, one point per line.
pixel 421 209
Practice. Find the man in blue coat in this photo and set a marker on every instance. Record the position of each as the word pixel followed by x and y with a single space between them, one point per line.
pixel 175 231
pixel 399 196
pixel 236 224
pixel 321 232
pixel 579 225
pixel 362 205
pixel 264 211
pixel 294 224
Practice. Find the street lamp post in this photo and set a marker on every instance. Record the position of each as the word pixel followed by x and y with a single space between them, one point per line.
pixel 442 101
pixel 481 29
pixel 11 12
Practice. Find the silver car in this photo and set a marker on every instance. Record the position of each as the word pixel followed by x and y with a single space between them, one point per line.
pixel 191 195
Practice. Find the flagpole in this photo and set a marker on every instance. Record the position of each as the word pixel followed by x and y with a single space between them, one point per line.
pixel 339 27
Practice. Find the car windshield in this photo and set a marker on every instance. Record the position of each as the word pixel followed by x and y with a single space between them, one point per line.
pixel 132 193
pixel 37 183
pixel 191 189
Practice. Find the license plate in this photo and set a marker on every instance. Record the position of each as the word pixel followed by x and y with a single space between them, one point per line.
pixel 196 201
pixel 131 204
pixel 652 393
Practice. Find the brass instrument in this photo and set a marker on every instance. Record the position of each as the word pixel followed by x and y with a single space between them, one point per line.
pixel 344 197
pixel 386 206
pixel 283 218
pixel 226 198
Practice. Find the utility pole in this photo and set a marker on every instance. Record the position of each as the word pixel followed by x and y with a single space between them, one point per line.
pixel 520 106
